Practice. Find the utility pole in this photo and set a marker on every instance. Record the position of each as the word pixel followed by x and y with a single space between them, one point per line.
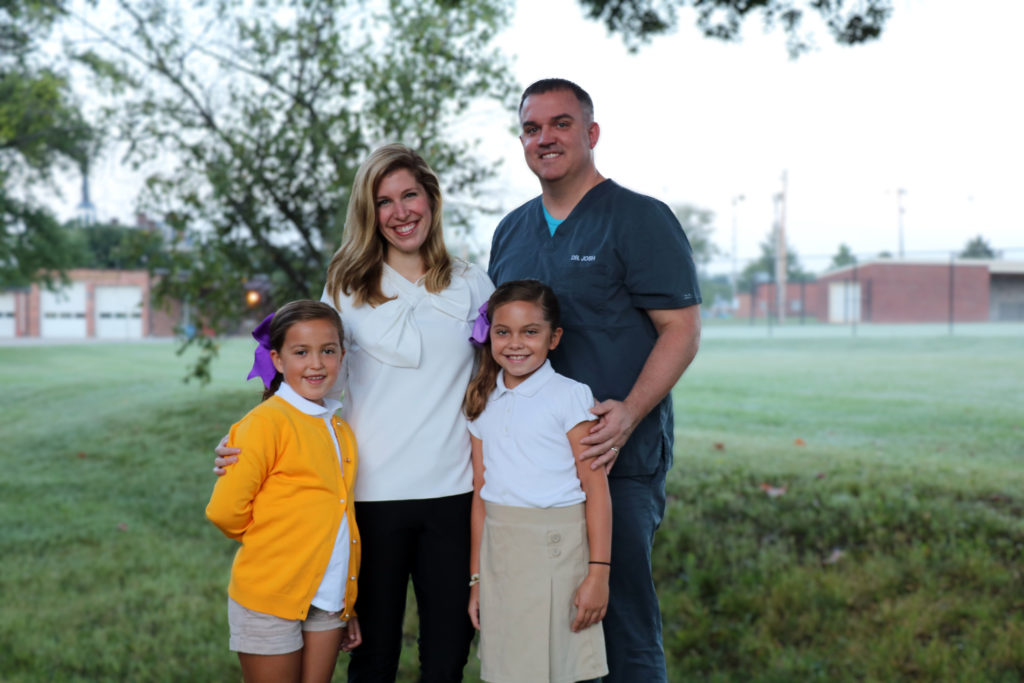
pixel 735 248
pixel 780 252
pixel 900 193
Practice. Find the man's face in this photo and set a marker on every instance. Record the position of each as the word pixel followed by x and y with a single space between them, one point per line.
pixel 557 137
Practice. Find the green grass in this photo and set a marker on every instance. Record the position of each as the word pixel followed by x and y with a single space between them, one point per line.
pixel 909 470
pixel 894 553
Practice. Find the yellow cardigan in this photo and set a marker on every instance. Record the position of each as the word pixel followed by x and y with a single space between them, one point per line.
pixel 284 500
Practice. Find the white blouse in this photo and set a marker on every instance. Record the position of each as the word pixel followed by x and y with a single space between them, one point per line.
pixel 406 367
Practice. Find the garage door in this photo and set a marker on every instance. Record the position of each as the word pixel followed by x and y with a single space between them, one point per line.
pixel 63 311
pixel 6 315
pixel 844 302
pixel 119 312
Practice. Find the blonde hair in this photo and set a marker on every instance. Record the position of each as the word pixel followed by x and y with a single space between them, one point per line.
pixel 486 378
pixel 357 265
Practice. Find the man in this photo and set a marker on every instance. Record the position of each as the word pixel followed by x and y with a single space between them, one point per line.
pixel 623 271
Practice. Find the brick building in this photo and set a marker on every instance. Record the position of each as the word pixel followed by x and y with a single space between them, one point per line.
pixel 95 304
pixel 890 291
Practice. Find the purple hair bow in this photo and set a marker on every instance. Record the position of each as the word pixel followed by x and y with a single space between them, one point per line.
pixel 262 364
pixel 481 327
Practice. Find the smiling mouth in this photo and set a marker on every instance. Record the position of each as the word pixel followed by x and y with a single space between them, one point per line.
pixel 315 379
pixel 405 230
pixel 517 358
pixel 550 155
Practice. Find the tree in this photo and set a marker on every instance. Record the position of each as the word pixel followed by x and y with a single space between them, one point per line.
pixel 843 257
pixel 41 130
pixel 849 22
pixel 716 289
pixel 107 245
pixel 268 109
pixel 978 247
pixel 765 264
pixel 698 224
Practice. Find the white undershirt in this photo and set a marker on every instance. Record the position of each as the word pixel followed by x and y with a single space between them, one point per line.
pixel 330 596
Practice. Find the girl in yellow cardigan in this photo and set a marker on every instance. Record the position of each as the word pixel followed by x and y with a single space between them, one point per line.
pixel 293 581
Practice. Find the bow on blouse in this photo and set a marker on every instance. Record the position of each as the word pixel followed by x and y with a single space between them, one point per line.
pixel 389 332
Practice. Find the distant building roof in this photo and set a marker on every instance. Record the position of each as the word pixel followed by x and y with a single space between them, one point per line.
pixel 995 266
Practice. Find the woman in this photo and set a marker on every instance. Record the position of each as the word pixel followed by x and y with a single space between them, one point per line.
pixel 407 309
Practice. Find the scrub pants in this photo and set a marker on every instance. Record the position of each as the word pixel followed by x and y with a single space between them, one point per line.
pixel 428 540
pixel 632 626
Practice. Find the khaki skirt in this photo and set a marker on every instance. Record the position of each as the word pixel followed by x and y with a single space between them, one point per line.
pixel 532 560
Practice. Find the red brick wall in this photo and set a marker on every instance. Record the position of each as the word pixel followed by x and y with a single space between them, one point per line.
pixel 809 296
pixel 155 322
pixel 918 292
pixel 890 293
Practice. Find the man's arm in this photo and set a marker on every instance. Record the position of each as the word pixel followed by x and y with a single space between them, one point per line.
pixel 678 339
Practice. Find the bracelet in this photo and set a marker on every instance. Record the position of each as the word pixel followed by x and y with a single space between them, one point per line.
pixel 607 564
pixel 474 579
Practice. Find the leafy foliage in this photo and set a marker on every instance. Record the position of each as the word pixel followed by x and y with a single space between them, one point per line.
pixel 763 268
pixel 113 246
pixel 978 247
pixel 843 257
pixel 698 224
pixel 267 110
pixel 849 22
pixel 41 129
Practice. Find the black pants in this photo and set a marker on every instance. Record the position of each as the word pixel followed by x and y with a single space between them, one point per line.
pixel 429 541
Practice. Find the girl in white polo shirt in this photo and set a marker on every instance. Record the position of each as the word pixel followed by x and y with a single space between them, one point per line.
pixel 541 520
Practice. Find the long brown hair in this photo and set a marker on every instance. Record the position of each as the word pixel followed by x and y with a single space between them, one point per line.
pixel 293 312
pixel 357 265
pixel 486 377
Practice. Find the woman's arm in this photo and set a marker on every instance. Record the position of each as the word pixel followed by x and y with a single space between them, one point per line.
pixel 592 595
pixel 226 457
pixel 476 530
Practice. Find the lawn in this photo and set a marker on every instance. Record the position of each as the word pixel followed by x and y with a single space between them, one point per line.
pixel 841 508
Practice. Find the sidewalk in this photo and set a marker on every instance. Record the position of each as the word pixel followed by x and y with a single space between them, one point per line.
pixel 80 341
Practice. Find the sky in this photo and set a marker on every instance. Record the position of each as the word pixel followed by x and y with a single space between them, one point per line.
pixel 933 108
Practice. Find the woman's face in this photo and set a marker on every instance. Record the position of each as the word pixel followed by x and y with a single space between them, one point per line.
pixel 403 211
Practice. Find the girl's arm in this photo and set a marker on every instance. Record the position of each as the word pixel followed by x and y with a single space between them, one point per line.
pixel 351 635
pixel 230 506
pixel 476 529
pixel 592 595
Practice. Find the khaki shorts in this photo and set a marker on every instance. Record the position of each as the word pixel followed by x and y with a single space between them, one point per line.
pixel 258 633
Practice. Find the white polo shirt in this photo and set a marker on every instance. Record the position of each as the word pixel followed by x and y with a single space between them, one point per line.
pixel 528 461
